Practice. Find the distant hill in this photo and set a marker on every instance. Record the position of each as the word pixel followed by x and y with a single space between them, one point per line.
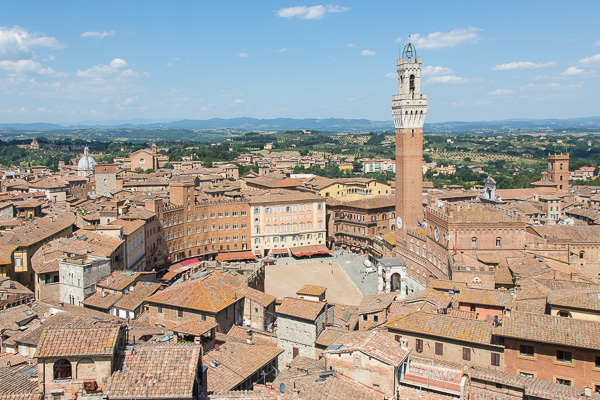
pixel 325 125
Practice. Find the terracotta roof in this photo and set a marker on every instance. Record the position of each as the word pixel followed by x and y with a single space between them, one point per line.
pixel 285 196
pixel 129 226
pixel 262 298
pixel 240 334
pixel 102 300
pixel 536 388
pixel 37 230
pixel 429 295
pixel 134 298
pixel 446 284
pixel 301 308
pixel 497 298
pixel 551 329
pixel 196 328
pixel 14 318
pixel 160 371
pixel 372 202
pixel 12 359
pixel 503 276
pixel 375 302
pixel 461 329
pixel 120 280
pixel 304 375
pixel 235 362
pixel 208 293
pixel 584 299
pixel 19 382
pixel 312 290
pixel 50 182
pixel 373 343
pixel 258 392
pixel 573 233
pixel 65 342
pixel 329 336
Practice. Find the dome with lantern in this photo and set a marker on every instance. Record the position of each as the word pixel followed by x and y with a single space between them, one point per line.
pixel 86 164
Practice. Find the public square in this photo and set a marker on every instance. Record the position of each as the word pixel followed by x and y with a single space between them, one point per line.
pixel 342 273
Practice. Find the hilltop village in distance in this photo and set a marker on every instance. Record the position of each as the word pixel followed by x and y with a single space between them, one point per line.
pixel 302 264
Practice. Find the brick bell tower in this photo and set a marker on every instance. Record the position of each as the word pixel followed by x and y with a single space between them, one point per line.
pixel 409 107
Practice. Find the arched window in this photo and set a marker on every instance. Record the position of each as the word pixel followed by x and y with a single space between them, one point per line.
pixel 62 370
pixel 564 314
pixel 474 242
pixel 498 242
pixel 411 84
pixel 581 255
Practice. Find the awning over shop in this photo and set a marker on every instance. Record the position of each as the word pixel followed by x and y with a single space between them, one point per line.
pixel 175 270
pixel 190 261
pixel 280 251
pixel 304 251
pixel 237 256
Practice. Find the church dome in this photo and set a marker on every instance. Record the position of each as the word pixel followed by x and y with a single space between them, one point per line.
pixel 86 162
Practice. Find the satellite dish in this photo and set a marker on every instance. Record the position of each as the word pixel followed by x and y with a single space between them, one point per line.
pixel 282 387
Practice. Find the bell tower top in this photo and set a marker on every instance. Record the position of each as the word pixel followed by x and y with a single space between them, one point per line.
pixel 409 106
pixel 409 51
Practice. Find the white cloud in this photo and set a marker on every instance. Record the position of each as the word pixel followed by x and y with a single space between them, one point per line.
pixel 367 52
pixel 97 35
pixel 549 86
pixel 500 92
pixel 391 75
pixel 116 67
pixel 441 40
pixel 281 50
pixel 597 43
pixel 243 55
pixel 16 42
pixel 595 59
pixel 172 62
pixel 22 67
pixel 313 12
pixel 351 45
pixel 572 71
pixel 446 79
pixel 238 101
pixel 398 40
pixel 518 65
pixel 434 70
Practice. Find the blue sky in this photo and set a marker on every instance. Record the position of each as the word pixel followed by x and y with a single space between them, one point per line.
pixel 78 61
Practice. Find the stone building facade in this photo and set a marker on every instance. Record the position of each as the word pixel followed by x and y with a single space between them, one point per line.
pixel 355 224
pixel 203 228
pixel 106 179
pixel 78 277
pixel 299 323
pixel 286 219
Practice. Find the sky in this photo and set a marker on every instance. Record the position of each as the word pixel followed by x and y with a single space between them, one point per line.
pixel 75 61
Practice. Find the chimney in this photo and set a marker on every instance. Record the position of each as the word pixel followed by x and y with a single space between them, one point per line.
pixel 587 391
pixel 249 337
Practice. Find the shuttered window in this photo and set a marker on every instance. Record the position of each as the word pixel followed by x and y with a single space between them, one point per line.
pixel 466 354
pixel 439 349
pixel 495 359
pixel 419 345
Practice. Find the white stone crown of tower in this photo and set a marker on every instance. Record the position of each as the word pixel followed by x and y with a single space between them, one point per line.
pixel 409 106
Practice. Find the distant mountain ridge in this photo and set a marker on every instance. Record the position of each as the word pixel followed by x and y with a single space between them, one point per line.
pixel 326 124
